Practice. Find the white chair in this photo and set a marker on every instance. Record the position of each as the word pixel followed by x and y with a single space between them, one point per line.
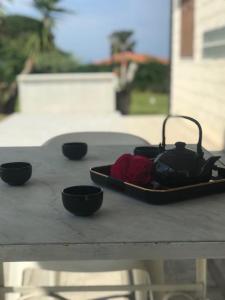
pixel 135 274
pixel 96 138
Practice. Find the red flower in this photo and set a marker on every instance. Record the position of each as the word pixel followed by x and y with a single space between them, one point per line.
pixel 134 169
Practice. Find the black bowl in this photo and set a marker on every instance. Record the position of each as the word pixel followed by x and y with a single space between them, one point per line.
pixel 74 151
pixel 82 200
pixel 15 173
pixel 147 151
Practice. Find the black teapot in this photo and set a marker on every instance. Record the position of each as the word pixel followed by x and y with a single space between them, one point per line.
pixel 181 166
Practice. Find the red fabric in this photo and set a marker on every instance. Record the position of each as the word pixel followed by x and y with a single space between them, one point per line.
pixel 134 169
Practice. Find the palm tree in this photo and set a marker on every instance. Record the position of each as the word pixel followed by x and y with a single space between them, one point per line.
pixel 49 10
pixel 34 42
pixel 20 41
pixel 122 41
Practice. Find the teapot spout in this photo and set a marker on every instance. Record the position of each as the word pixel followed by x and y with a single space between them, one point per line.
pixel 208 166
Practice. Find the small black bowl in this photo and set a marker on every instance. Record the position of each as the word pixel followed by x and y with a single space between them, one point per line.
pixel 15 173
pixel 74 151
pixel 147 151
pixel 82 200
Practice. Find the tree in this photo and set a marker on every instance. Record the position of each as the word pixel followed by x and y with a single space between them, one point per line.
pixel 14 25
pixel 49 10
pixel 24 40
pixel 122 41
pixel 20 41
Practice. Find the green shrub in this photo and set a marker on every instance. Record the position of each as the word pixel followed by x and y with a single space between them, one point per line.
pixel 88 68
pixel 55 62
pixel 13 26
pixel 11 60
pixel 152 76
pixel 60 62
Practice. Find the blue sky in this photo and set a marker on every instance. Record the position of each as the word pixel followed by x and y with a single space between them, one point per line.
pixel 85 33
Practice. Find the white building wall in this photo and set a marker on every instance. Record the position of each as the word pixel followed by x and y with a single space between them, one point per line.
pixel 67 93
pixel 198 83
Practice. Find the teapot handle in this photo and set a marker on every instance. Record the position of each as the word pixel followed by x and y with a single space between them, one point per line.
pixel 199 145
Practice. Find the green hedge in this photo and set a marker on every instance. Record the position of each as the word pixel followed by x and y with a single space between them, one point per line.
pixel 55 61
pixel 152 76
pixel 93 68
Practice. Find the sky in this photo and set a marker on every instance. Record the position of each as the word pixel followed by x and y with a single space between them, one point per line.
pixel 85 32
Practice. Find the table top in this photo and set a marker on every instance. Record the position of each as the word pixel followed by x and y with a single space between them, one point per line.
pixel 35 226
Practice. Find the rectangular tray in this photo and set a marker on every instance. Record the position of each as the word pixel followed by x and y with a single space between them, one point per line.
pixel 100 175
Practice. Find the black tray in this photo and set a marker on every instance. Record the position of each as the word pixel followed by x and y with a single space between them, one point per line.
pixel 100 175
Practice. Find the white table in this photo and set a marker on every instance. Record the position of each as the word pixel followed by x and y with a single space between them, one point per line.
pixel 34 226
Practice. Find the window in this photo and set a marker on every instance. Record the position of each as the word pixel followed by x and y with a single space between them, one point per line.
pixel 187 28
pixel 214 43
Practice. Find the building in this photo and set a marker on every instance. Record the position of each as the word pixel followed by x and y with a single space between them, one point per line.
pixel 198 64
pixel 129 56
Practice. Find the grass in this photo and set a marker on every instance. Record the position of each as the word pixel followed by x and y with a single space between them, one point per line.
pixel 146 102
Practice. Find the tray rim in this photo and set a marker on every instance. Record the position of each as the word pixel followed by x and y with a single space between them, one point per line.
pixel 187 187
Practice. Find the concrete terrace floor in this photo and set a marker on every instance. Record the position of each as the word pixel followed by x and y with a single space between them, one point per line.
pixel 34 130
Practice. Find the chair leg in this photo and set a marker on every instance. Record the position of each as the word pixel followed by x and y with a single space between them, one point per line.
pixel 155 268
pixel 201 276
pixel 56 281
pixel 140 277
pixel 136 277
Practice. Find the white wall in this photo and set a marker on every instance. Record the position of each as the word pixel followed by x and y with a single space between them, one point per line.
pixel 198 84
pixel 67 93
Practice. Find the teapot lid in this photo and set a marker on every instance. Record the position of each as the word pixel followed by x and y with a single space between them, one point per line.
pixel 180 146
pixel 179 158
